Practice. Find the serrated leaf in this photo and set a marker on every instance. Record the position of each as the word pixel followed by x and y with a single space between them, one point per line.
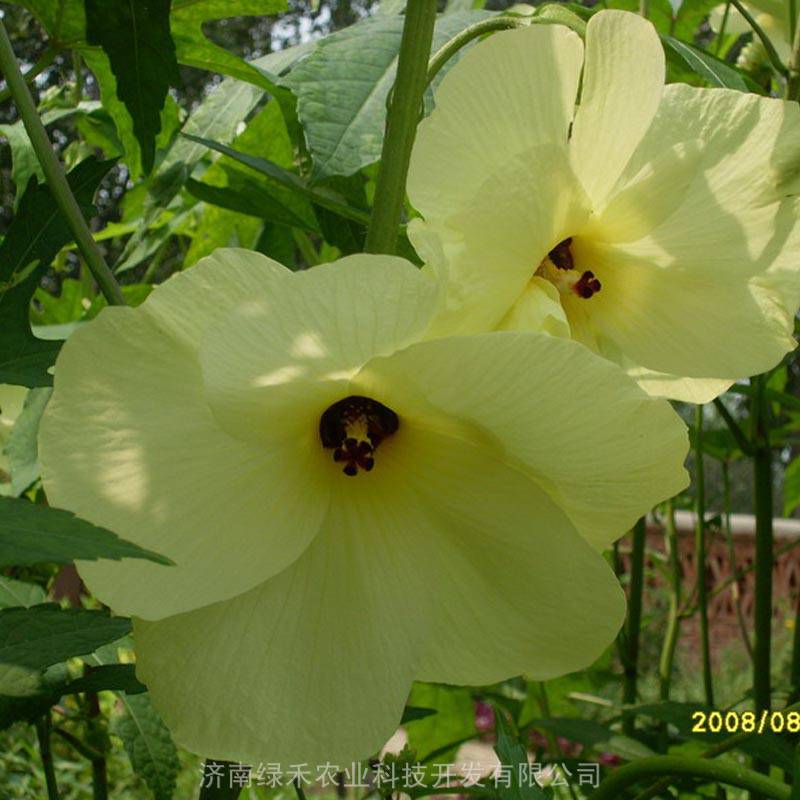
pixel 32 639
pixel 135 35
pixel 34 706
pixel 706 66
pixel 149 745
pixel 35 534
pixel 37 233
pixel 19 593
pixel 512 753
pixel 342 86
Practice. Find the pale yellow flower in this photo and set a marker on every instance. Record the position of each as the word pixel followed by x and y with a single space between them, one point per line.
pixel 349 509
pixel 657 225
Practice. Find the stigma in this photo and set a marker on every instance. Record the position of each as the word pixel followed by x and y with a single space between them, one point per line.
pixel 559 268
pixel 353 428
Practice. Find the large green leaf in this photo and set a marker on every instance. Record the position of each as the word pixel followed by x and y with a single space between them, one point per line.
pixel 34 534
pixel 149 745
pixel 135 36
pixel 37 233
pixel 34 638
pixel 593 734
pixel 107 677
pixel 342 88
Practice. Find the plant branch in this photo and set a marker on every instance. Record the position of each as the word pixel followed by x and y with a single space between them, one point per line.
pixel 674 620
pixel 726 772
pixel 793 81
pixel 700 555
pixel 401 125
pixel 634 622
pixel 449 49
pixel 54 173
pixel 43 735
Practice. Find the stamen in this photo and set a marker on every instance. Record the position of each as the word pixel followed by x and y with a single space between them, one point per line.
pixel 353 428
pixel 587 285
pixel 561 255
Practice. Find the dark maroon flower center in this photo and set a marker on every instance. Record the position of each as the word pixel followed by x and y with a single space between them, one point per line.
pixel 584 285
pixel 353 428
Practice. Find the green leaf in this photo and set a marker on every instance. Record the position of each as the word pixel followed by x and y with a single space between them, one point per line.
pixel 32 707
pixel 135 36
pixel 32 639
pixel 689 17
pixel 594 735
pixel 512 753
pixel 107 677
pixel 34 534
pixel 319 196
pixel 22 448
pixel 20 593
pixel 195 50
pixel 791 488
pixel 342 87
pixel 412 713
pixel 149 745
pixel 708 67
pixel 37 233
pixel 451 725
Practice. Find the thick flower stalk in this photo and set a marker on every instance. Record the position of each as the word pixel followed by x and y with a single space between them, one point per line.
pixel 656 225
pixel 349 507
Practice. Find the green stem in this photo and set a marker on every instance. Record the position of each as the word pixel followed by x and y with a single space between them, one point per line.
pixel 43 734
pixel 99 779
pixel 737 595
pixel 762 691
pixel 306 247
pixel 700 556
pixel 634 622
pixel 722 28
pixel 772 53
pixel 644 8
pixel 727 772
pixel 673 619
pixel 401 125
pixel 54 173
pixel 450 48
pixel 43 62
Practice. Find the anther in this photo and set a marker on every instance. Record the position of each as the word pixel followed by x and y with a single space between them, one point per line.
pixel 587 285
pixel 353 428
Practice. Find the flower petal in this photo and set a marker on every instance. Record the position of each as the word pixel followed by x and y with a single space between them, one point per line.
pixel 588 435
pixel 492 246
pixel 128 442
pixel 515 589
pixel 508 94
pixel 278 361
pixel 313 666
pixel 688 390
pixel 623 79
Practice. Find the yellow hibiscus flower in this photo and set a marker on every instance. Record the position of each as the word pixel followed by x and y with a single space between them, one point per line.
pixel 349 509
pixel 657 225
